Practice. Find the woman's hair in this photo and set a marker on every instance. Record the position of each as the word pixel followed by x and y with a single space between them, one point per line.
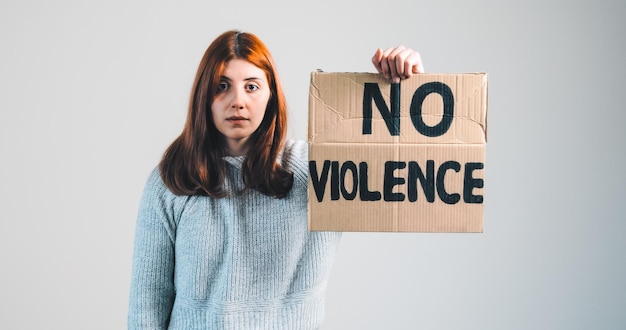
pixel 193 164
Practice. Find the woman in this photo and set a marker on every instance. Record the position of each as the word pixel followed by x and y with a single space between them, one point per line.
pixel 221 239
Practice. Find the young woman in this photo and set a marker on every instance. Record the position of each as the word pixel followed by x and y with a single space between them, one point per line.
pixel 221 238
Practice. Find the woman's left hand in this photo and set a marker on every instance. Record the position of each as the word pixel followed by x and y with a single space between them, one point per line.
pixel 397 63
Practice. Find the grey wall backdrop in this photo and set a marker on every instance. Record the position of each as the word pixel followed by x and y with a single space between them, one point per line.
pixel 91 93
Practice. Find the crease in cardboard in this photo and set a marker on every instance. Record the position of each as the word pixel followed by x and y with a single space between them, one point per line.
pixel 338 113
pixel 396 209
pixel 402 136
pixel 403 144
pixel 317 98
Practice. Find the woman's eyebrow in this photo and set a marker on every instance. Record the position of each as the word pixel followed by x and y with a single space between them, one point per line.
pixel 245 79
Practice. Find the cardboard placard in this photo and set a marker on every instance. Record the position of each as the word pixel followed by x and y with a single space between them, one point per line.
pixel 405 157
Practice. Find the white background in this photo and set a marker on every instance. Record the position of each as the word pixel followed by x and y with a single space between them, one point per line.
pixel 92 92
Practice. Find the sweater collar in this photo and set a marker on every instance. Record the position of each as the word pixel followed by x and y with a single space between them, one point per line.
pixel 234 160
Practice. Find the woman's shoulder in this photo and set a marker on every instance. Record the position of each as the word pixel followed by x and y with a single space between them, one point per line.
pixel 157 197
pixel 296 149
pixel 154 180
pixel 155 188
pixel 295 157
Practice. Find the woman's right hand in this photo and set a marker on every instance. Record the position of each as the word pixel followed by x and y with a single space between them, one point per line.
pixel 397 63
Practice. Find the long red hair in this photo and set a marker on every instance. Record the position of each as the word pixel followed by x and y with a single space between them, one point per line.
pixel 193 164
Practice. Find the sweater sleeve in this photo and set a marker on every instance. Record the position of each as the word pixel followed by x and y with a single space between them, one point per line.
pixel 152 283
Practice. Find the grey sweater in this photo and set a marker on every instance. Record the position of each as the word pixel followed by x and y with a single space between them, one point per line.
pixel 246 261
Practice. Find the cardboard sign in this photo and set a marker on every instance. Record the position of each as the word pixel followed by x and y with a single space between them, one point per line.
pixel 401 157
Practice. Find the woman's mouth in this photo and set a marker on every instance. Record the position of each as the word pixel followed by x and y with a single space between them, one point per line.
pixel 235 119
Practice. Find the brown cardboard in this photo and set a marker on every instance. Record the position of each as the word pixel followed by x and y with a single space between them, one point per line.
pixel 351 161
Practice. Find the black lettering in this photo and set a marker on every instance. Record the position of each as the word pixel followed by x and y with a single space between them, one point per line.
pixel 448 108
pixel 426 180
pixel 347 181
pixel 334 180
pixel 392 117
pixel 469 183
pixel 345 167
pixel 389 181
pixel 319 182
pixel 364 192
pixel 441 189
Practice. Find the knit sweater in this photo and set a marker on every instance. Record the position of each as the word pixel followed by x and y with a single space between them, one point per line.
pixel 246 261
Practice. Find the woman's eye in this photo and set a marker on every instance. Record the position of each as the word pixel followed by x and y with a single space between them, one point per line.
pixel 222 87
pixel 252 87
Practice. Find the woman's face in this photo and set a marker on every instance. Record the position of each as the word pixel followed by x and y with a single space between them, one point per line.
pixel 239 104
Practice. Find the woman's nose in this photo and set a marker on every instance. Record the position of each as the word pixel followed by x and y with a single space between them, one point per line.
pixel 238 99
